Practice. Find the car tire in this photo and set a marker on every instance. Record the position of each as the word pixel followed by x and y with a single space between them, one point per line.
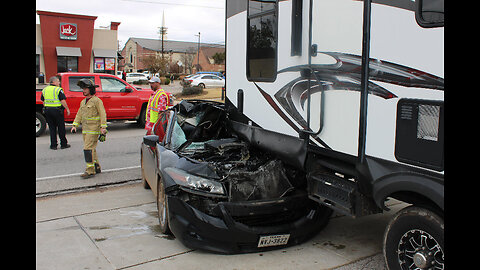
pixel 144 180
pixel 142 117
pixel 162 207
pixel 201 85
pixel 323 216
pixel 414 238
pixel 40 124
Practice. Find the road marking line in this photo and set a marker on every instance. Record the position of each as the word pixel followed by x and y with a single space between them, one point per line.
pixel 75 174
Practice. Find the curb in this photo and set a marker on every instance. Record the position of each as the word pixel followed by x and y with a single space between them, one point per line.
pixel 74 183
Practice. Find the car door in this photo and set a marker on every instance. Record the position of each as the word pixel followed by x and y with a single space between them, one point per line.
pixel 208 80
pixel 217 81
pixel 119 103
pixel 150 157
pixel 74 94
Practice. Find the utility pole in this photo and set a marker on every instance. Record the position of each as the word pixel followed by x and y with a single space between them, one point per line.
pixel 163 31
pixel 198 52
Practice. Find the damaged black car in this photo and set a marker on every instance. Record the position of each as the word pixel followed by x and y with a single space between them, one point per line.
pixel 220 189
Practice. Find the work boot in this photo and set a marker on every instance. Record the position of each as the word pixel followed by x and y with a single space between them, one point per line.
pixel 98 169
pixel 65 146
pixel 86 175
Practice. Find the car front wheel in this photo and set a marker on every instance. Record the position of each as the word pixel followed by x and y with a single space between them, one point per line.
pixel 162 208
pixel 144 179
pixel 414 240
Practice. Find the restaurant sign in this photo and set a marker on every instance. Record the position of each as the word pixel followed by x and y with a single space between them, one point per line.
pixel 68 31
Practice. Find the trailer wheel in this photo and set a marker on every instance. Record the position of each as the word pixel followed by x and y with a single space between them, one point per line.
pixel 414 240
pixel 40 124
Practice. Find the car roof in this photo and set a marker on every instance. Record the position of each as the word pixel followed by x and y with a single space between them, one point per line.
pixel 209 74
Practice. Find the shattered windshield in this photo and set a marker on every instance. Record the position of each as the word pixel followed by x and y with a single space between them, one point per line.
pixel 178 137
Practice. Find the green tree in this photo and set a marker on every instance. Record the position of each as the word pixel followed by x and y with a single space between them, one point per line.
pixel 219 58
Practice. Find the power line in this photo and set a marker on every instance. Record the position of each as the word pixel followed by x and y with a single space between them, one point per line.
pixel 177 4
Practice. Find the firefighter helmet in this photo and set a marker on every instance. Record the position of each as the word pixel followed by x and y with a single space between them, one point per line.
pixel 87 83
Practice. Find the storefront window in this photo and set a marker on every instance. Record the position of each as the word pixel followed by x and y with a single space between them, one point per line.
pixel 104 65
pixel 67 64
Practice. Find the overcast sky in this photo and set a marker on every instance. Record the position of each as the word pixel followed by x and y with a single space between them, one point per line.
pixel 141 18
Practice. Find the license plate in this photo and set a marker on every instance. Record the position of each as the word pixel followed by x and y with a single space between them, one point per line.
pixel 273 240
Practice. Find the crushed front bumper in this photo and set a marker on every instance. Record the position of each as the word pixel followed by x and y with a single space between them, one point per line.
pixel 237 227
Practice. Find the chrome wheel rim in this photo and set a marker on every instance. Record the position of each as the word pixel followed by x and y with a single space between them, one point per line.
pixel 38 124
pixel 418 250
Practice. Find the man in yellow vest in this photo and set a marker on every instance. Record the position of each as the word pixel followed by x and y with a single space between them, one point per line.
pixel 93 118
pixel 54 103
pixel 158 102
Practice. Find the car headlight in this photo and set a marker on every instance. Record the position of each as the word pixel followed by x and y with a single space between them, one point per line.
pixel 195 182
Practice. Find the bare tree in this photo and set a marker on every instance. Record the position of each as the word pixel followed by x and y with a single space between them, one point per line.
pixel 155 64
pixel 187 59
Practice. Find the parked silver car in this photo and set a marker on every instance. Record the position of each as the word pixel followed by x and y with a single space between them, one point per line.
pixel 206 81
pixel 132 77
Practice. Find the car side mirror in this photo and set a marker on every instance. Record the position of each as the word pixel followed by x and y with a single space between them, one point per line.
pixel 150 140
pixel 127 89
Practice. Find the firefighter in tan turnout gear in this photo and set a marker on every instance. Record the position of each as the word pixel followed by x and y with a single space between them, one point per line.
pixel 93 118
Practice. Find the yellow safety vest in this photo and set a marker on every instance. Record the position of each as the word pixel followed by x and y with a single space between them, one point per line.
pixel 152 113
pixel 50 96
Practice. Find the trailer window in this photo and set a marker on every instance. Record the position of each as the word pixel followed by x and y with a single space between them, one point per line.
pixel 430 13
pixel 419 133
pixel 296 40
pixel 262 41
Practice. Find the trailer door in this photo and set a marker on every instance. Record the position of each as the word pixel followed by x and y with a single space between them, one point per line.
pixel 335 60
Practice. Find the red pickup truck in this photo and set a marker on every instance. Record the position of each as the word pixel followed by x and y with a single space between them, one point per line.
pixel 122 101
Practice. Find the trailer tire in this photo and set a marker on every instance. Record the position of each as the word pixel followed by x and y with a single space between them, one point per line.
pixel 40 124
pixel 414 237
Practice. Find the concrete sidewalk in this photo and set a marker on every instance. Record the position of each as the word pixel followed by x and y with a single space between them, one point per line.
pixel 117 228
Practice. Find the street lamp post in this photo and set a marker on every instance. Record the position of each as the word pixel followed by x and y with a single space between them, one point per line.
pixel 198 52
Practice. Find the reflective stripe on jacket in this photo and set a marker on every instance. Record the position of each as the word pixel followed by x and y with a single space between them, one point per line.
pixel 91 115
pixel 50 96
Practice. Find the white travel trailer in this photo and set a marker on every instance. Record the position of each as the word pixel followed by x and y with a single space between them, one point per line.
pixel 357 88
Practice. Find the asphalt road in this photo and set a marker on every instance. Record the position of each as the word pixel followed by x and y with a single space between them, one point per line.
pixel 120 150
